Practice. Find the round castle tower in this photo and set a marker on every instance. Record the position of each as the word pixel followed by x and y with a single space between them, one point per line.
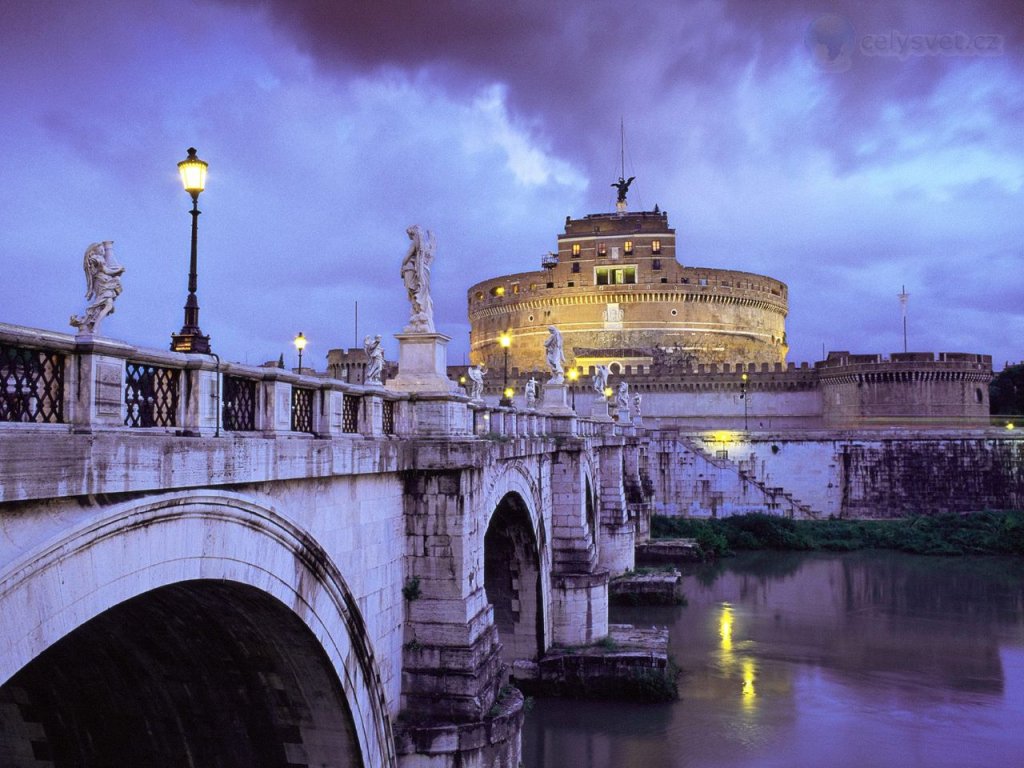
pixel 619 296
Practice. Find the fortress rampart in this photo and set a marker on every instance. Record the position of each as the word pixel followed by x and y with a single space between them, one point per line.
pixel 846 391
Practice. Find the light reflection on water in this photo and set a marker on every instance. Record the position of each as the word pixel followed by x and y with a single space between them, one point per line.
pixel 864 659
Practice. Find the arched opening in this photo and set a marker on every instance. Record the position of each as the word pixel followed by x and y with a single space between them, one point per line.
pixel 198 673
pixel 512 579
pixel 590 510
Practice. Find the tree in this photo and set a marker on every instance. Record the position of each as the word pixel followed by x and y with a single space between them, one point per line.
pixel 1006 392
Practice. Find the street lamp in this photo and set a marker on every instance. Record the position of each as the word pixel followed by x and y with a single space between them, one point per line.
pixel 505 340
pixel 300 342
pixel 573 376
pixel 190 338
pixel 743 395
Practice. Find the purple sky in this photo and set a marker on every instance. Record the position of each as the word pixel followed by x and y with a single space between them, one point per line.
pixel 785 138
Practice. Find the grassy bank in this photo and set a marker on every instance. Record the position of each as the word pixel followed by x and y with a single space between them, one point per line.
pixel 982 533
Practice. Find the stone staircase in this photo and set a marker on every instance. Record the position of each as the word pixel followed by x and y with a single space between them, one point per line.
pixel 775 500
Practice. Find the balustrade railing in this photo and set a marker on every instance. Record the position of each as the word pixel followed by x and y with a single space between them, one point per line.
pixel 56 378
pixel 350 413
pixel 31 385
pixel 240 396
pixel 150 395
pixel 302 409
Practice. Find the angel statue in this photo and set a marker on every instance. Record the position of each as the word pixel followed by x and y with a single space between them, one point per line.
pixel 476 377
pixel 600 380
pixel 102 286
pixel 531 393
pixel 623 186
pixel 416 277
pixel 374 359
pixel 555 355
pixel 622 399
pixel 637 402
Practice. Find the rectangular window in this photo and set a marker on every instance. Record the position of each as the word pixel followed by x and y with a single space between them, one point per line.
pixel 702 281
pixel 602 249
pixel 655 246
pixel 615 275
pixel 575 250
pixel 576 267
pixel 627 247
pixel 656 264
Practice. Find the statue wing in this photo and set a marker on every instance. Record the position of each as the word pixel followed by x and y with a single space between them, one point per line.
pixel 90 272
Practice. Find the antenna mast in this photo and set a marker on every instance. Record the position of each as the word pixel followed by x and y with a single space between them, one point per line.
pixel 903 297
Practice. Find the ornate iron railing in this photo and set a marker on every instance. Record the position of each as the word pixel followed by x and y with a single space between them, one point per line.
pixel 350 413
pixel 239 404
pixel 388 417
pixel 302 409
pixel 150 395
pixel 31 385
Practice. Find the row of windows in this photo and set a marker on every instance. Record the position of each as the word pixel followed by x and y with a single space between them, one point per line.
pixel 624 275
pixel 627 248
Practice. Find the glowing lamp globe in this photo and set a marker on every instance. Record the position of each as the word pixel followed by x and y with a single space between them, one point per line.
pixel 193 173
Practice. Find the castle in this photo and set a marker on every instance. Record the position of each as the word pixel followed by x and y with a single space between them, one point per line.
pixel 705 348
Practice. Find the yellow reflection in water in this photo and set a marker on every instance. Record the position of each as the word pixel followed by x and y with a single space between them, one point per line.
pixel 725 627
pixel 748 683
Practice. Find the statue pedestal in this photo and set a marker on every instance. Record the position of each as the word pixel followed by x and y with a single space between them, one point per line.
pixel 556 400
pixel 422 363
pixel 599 409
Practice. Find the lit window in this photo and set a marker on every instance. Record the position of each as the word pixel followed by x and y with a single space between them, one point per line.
pixel 602 249
pixel 655 246
pixel 575 249
pixel 479 295
pixel 627 247
pixel 615 275
pixel 498 290
pixel 515 287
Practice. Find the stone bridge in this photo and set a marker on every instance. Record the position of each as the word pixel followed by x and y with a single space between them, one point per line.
pixel 210 564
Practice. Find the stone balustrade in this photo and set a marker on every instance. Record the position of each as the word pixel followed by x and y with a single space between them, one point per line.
pixel 82 383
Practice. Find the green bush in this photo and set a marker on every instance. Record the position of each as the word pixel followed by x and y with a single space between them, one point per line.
pixel 947 534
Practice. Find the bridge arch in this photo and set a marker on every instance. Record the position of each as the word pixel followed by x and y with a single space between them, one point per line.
pixel 517 563
pixel 236 575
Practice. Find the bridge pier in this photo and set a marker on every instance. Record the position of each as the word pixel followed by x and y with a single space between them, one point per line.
pixel 617 531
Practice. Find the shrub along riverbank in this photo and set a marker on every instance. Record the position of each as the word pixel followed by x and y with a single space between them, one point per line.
pixel 981 533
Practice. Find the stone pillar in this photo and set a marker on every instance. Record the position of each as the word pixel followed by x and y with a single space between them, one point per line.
pixel 617 533
pixel 599 409
pixel 202 406
pixel 453 711
pixel 276 405
pixel 556 399
pixel 579 589
pixel 422 364
pixel 97 384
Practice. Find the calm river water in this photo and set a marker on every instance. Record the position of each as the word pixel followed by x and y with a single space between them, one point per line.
pixel 860 660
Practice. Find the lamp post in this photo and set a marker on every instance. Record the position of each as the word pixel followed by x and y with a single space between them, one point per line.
pixel 743 395
pixel 505 340
pixel 573 376
pixel 190 338
pixel 300 342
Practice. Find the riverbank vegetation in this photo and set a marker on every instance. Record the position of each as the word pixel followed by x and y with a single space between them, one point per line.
pixel 983 533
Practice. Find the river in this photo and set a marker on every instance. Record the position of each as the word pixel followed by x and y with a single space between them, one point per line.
pixel 865 659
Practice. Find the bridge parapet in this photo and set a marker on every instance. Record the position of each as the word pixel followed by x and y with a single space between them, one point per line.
pixel 91 384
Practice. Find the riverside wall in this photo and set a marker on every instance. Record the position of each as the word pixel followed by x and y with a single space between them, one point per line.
pixel 853 474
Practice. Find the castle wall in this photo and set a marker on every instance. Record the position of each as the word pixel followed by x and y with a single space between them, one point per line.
pixel 861 474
